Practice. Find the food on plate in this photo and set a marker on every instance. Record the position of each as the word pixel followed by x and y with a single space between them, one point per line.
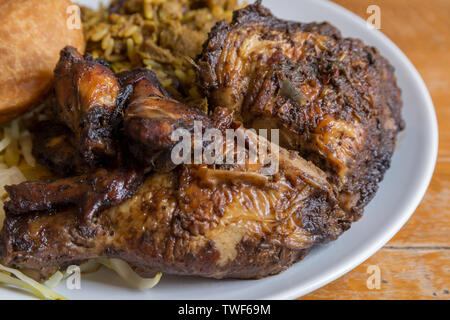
pixel 152 116
pixel 117 197
pixel 53 146
pixel 189 222
pixel 206 220
pixel 88 102
pixel 29 46
pixel 334 99
pixel 163 36
pixel 91 193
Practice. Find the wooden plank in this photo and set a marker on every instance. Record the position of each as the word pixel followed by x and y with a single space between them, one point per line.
pixel 405 274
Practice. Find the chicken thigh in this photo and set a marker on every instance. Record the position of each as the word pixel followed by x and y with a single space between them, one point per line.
pixel 334 99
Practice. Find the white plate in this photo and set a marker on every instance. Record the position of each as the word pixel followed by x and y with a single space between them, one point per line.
pixel 399 195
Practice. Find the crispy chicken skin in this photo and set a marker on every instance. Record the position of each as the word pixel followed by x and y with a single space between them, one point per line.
pixel 88 96
pixel 90 105
pixel 91 193
pixel 231 222
pixel 151 118
pixel 334 100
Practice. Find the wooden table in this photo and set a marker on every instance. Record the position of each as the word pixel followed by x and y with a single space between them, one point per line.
pixel 416 263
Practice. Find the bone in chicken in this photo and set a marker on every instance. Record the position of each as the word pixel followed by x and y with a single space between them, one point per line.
pixel 220 221
pixel 233 221
pixel 151 118
pixel 334 99
pixel 228 222
pixel 54 148
pixel 98 189
pixel 91 192
pixel 89 103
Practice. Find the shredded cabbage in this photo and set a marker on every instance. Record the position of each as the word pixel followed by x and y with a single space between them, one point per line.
pixel 6 278
pixel 90 266
pixel 17 279
pixel 125 272
pixel 4 143
pixel 26 146
pixel 54 280
pixel 25 282
pixel 2 214
pixel 15 129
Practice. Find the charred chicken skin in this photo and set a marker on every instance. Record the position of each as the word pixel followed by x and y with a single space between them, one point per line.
pixel 85 146
pixel 88 96
pixel 91 192
pixel 151 118
pixel 151 112
pixel 54 148
pixel 334 99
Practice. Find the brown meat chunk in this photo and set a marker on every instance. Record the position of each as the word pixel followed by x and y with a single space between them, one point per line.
pixel 227 222
pixel 152 117
pixel 91 193
pixel 334 99
pixel 108 189
pixel 53 147
pixel 45 195
pixel 87 93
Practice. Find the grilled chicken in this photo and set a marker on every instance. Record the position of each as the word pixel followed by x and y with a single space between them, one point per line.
pixel 334 99
pixel 91 192
pixel 90 107
pixel 35 196
pixel 151 118
pixel 108 189
pixel 54 148
pixel 219 222
pixel 89 102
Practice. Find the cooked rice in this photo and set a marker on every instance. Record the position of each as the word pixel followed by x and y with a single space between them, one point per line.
pixel 161 35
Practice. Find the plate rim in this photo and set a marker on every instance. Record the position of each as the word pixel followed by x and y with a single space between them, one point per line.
pixel 392 229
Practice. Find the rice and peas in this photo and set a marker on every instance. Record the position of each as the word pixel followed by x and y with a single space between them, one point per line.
pixel 161 35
